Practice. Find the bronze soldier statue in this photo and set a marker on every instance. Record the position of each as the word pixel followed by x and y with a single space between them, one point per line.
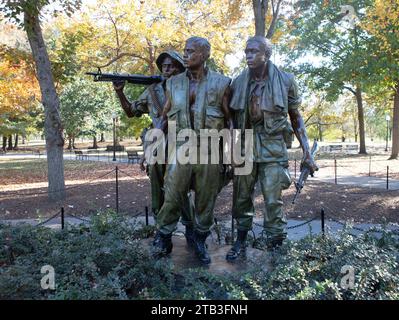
pixel 262 98
pixel 196 99
pixel 151 101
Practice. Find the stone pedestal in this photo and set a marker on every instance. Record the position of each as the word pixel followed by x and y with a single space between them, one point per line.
pixel 184 257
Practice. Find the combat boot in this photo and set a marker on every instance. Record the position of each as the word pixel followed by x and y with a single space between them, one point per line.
pixel 273 243
pixel 190 236
pixel 157 238
pixel 239 246
pixel 164 246
pixel 200 246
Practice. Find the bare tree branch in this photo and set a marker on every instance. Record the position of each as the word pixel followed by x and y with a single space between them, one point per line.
pixel 124 54
pixel 350 89
pixel 275 13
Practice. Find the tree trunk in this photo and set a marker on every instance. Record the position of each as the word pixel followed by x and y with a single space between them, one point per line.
pixel 4 143
pixel 395 125
pixel 102 139
pixel 355 127
pixel 23 139
pixel 320 133
pixel 52 125
pixel 73 142
pixel 69 143
pixel 16 141
pixel 95 145
pixel 260 9
pixel 9 142
pixel 360 116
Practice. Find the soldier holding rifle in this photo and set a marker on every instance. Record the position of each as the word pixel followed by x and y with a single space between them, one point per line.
pixel 262 99
pixel 196 99
pixel 151 101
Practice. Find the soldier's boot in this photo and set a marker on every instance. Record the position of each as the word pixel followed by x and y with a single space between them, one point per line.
pixel 190 236
pixel 239 247
pixel 201 247
pixel 274 242
pixel 157 238
pixel 164 246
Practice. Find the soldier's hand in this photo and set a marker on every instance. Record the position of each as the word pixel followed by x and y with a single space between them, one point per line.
pixel 142 166
pixel 118 85
pixel 309 163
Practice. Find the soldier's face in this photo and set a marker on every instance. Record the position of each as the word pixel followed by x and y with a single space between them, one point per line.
pixel 255 55
pixel 169 67
pixel 193 55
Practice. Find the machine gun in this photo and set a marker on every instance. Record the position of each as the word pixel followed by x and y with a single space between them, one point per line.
pixel 130 78
pixel 304 173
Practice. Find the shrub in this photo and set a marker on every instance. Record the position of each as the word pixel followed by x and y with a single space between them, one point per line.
pixel 107 260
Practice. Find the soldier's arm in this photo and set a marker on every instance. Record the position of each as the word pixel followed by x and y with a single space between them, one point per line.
pixel 118 86
pixel 163 123
pixel 134 109
pixel 298 125
pixel 226 110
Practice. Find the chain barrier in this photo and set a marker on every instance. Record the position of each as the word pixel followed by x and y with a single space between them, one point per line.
pixel 47 220
pixel 137 215
pixel 295 226
pixel 125 173
pixel 79 218
pixel 332 218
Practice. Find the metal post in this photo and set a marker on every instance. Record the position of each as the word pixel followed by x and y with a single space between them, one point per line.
pixel 387 177
pixel 114 158
pixel 62 218
pixel 322 220
pixel 370 167
pixel 117 189
pixel 335 170
pixel 146 216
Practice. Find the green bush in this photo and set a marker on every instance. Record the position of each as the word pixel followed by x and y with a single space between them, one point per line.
pixel 107 260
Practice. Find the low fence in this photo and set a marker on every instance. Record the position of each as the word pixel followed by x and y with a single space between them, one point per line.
pixel 133 212
pixel 389 174
pixel 322 216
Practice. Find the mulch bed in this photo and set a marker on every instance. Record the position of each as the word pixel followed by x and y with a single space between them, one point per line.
pixel 82 198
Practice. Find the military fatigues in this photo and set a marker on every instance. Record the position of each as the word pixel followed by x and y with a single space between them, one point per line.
pixel 263 107
pixel 204 179
pixel 156 172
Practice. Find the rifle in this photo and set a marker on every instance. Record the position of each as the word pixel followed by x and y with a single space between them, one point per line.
pixel 130 78
pixel 304 173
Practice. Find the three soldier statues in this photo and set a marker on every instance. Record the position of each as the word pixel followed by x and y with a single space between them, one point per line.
pixel 196 102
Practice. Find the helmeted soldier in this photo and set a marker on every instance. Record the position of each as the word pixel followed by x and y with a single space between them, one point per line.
pixel 196 99
pixel 262 98
pixel 151 102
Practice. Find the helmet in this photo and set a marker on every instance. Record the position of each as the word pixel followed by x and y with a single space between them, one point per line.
pixel 171 54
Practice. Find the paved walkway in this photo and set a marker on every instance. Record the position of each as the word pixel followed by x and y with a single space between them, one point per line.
pixel 352 180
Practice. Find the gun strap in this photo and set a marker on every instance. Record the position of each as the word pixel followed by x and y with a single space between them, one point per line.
pixel 155 99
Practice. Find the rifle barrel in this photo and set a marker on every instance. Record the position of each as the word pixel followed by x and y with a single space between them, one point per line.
pixel 131 78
